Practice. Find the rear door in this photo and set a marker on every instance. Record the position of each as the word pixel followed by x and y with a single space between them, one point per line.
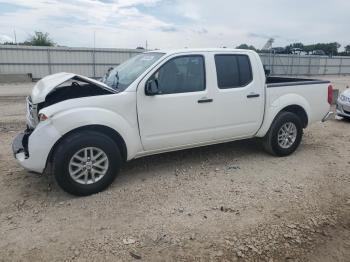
pixel 182 113
pixel 239 95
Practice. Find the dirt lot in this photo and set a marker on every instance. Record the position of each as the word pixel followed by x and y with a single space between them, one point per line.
pixel 230 202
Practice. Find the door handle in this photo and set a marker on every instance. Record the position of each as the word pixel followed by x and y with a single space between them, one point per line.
pixel 252 95
pixel 205 100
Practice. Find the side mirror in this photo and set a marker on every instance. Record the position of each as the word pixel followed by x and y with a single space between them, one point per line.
pixel 151 87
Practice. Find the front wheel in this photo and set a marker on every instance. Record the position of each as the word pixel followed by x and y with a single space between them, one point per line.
pixel 86 162
pixel 284 135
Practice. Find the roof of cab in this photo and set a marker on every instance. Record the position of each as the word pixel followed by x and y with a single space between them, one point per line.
pixel 194 50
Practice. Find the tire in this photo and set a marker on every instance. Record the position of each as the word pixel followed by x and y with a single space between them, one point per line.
pixel 71 159
pixel 271 140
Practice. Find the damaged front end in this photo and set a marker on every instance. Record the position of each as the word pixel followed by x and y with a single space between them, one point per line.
pixel 60 87
pixel 20 143
pixel 49 91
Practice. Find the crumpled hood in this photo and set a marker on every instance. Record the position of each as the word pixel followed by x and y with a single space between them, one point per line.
pixel 49 83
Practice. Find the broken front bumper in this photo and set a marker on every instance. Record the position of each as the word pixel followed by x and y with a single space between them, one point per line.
pixel 20 143
pixel 31 148
pixel 20 148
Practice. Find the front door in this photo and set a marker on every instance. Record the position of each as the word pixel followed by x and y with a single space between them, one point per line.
pixel 181 113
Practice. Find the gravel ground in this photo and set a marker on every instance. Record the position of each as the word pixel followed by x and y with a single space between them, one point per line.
pixel 229 202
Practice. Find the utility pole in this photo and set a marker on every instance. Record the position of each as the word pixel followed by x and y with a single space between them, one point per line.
pixel 94 39
pixel 146 45
pixel 14 33
pixel 94 56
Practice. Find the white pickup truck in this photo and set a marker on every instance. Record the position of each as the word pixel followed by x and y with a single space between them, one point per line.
pixel 82 130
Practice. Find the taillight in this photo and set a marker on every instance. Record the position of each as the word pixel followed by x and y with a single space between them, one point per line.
pixel 330 94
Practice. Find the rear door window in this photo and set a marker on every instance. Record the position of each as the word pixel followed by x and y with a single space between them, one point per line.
pixel 233 71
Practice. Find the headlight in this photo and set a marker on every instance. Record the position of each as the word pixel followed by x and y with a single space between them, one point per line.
pixel 42 117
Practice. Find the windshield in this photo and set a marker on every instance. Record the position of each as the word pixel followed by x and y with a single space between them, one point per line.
pixel 124 74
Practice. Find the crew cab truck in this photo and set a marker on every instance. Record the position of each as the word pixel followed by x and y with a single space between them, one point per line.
pixel 82 130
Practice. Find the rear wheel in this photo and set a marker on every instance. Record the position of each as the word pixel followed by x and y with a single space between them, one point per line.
pixel 86 163
pixel 284 135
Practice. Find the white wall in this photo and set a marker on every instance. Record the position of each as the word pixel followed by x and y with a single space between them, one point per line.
pixel 42 61
pixel 306 65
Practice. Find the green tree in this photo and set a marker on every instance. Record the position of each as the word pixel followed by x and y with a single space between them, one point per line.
pixel 328 48
pixel 347 49
pixel 245 46
pixel 289 48
pixel 297 45
pixel 40 39
pixel 8 43
pixel 309 48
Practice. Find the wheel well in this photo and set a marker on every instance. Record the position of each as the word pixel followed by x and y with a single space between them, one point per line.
pixel 299 111
pixel 98 128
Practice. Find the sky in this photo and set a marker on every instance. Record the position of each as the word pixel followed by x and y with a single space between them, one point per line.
pixel 176 23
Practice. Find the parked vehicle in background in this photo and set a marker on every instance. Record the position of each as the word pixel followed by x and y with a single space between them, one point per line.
pixel 298 51
pixel 343 104
pixel 318 52
pixel 161 101
pixel 278 50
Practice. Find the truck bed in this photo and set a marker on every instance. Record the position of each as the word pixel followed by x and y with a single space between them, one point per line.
pixel 276 81
pixel 311 94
